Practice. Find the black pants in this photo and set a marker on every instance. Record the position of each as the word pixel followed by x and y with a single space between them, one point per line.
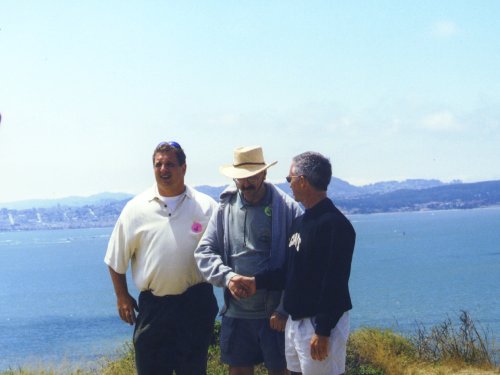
pixel 172 333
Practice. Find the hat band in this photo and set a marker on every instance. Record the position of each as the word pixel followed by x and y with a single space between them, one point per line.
pixel 239 165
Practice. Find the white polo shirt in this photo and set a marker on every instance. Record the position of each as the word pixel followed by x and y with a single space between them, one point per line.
pixel 160 243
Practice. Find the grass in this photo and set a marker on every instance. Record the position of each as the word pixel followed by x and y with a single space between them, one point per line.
pixel 444 349
pixel 448 343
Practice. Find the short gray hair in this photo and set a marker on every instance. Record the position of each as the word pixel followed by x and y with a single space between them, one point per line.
pixel 316 168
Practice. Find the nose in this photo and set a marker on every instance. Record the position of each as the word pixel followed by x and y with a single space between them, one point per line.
pixel 244 184
pixel 164 168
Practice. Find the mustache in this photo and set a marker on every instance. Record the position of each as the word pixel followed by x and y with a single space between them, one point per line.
pixel 248 188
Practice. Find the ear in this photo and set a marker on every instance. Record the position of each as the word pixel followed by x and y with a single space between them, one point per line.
pixel 303 182
pixel 184 167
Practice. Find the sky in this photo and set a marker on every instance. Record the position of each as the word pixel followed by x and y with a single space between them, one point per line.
pixel 388 90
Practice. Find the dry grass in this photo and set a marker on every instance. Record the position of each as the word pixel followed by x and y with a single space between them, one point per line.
pixel 443 350
pixel 373 351
pixel 426 369
pixel 124 365
pixel 464 343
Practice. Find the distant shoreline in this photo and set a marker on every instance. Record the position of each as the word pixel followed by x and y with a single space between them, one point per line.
pixel 65 226
pixel 102 210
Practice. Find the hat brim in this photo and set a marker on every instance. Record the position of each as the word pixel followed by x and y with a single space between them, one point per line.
pixel 243 171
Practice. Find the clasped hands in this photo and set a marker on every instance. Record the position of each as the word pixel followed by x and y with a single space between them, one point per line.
pixel 242 286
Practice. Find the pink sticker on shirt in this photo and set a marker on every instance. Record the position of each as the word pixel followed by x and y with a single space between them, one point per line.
pixel 196 227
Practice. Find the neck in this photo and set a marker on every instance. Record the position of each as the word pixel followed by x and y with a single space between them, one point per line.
pixel 171 192
pixel 313 198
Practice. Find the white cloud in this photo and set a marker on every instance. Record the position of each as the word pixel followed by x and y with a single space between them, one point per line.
pixel 440 121
pixel 444 29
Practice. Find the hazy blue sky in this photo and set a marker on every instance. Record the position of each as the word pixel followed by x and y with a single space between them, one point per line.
pixel 387 89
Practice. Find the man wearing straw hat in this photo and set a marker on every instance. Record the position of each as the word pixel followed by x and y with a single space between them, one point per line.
pixel 247 235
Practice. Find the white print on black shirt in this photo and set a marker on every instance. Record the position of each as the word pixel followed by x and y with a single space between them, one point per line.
pixel 295 241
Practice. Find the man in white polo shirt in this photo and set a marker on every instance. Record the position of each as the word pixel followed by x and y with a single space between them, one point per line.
pixel 157 233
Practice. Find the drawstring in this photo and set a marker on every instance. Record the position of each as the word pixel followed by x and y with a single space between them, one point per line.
pixel 245 228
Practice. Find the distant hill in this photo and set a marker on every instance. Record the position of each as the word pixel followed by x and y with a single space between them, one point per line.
pixel 411 184
pixel 213 191
pixel 338 188
pixel 102 210
pixel 450 196
pixel 342 189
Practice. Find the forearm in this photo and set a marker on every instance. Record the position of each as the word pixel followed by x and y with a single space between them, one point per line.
pixel 334 298
pixel 211 266
pixel 325 322
pixel 333 301
pixel 209 256
pixel 119 283
pixel 126 304
pixel 280 309
pixel 270 279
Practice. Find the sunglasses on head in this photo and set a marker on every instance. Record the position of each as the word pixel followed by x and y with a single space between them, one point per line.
pixel 171 143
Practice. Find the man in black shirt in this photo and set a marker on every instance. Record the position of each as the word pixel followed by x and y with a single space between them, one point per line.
pixel 316 274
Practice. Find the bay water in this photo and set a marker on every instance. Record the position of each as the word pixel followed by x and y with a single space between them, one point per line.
pixel 57 305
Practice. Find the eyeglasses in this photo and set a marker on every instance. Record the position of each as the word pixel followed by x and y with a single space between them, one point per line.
pixel 289 178
pixel 171 143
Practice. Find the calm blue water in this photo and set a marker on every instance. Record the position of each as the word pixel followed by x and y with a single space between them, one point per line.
pixel 57 303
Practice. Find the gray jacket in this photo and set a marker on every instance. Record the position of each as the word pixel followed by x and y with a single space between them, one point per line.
pixel 212 254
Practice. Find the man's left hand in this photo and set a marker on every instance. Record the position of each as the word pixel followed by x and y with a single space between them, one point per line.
pixel 319 347
pixel 278 322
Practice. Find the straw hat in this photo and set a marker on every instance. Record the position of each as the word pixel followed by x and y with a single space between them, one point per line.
pixel 247 162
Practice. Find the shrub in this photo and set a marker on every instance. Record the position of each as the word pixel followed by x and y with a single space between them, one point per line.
pixel 372 351
pixel 124 365
pixel 447 343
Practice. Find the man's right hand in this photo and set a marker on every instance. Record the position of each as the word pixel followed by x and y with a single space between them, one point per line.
pixel 242 286
pixel 125 303
pixel 127 306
